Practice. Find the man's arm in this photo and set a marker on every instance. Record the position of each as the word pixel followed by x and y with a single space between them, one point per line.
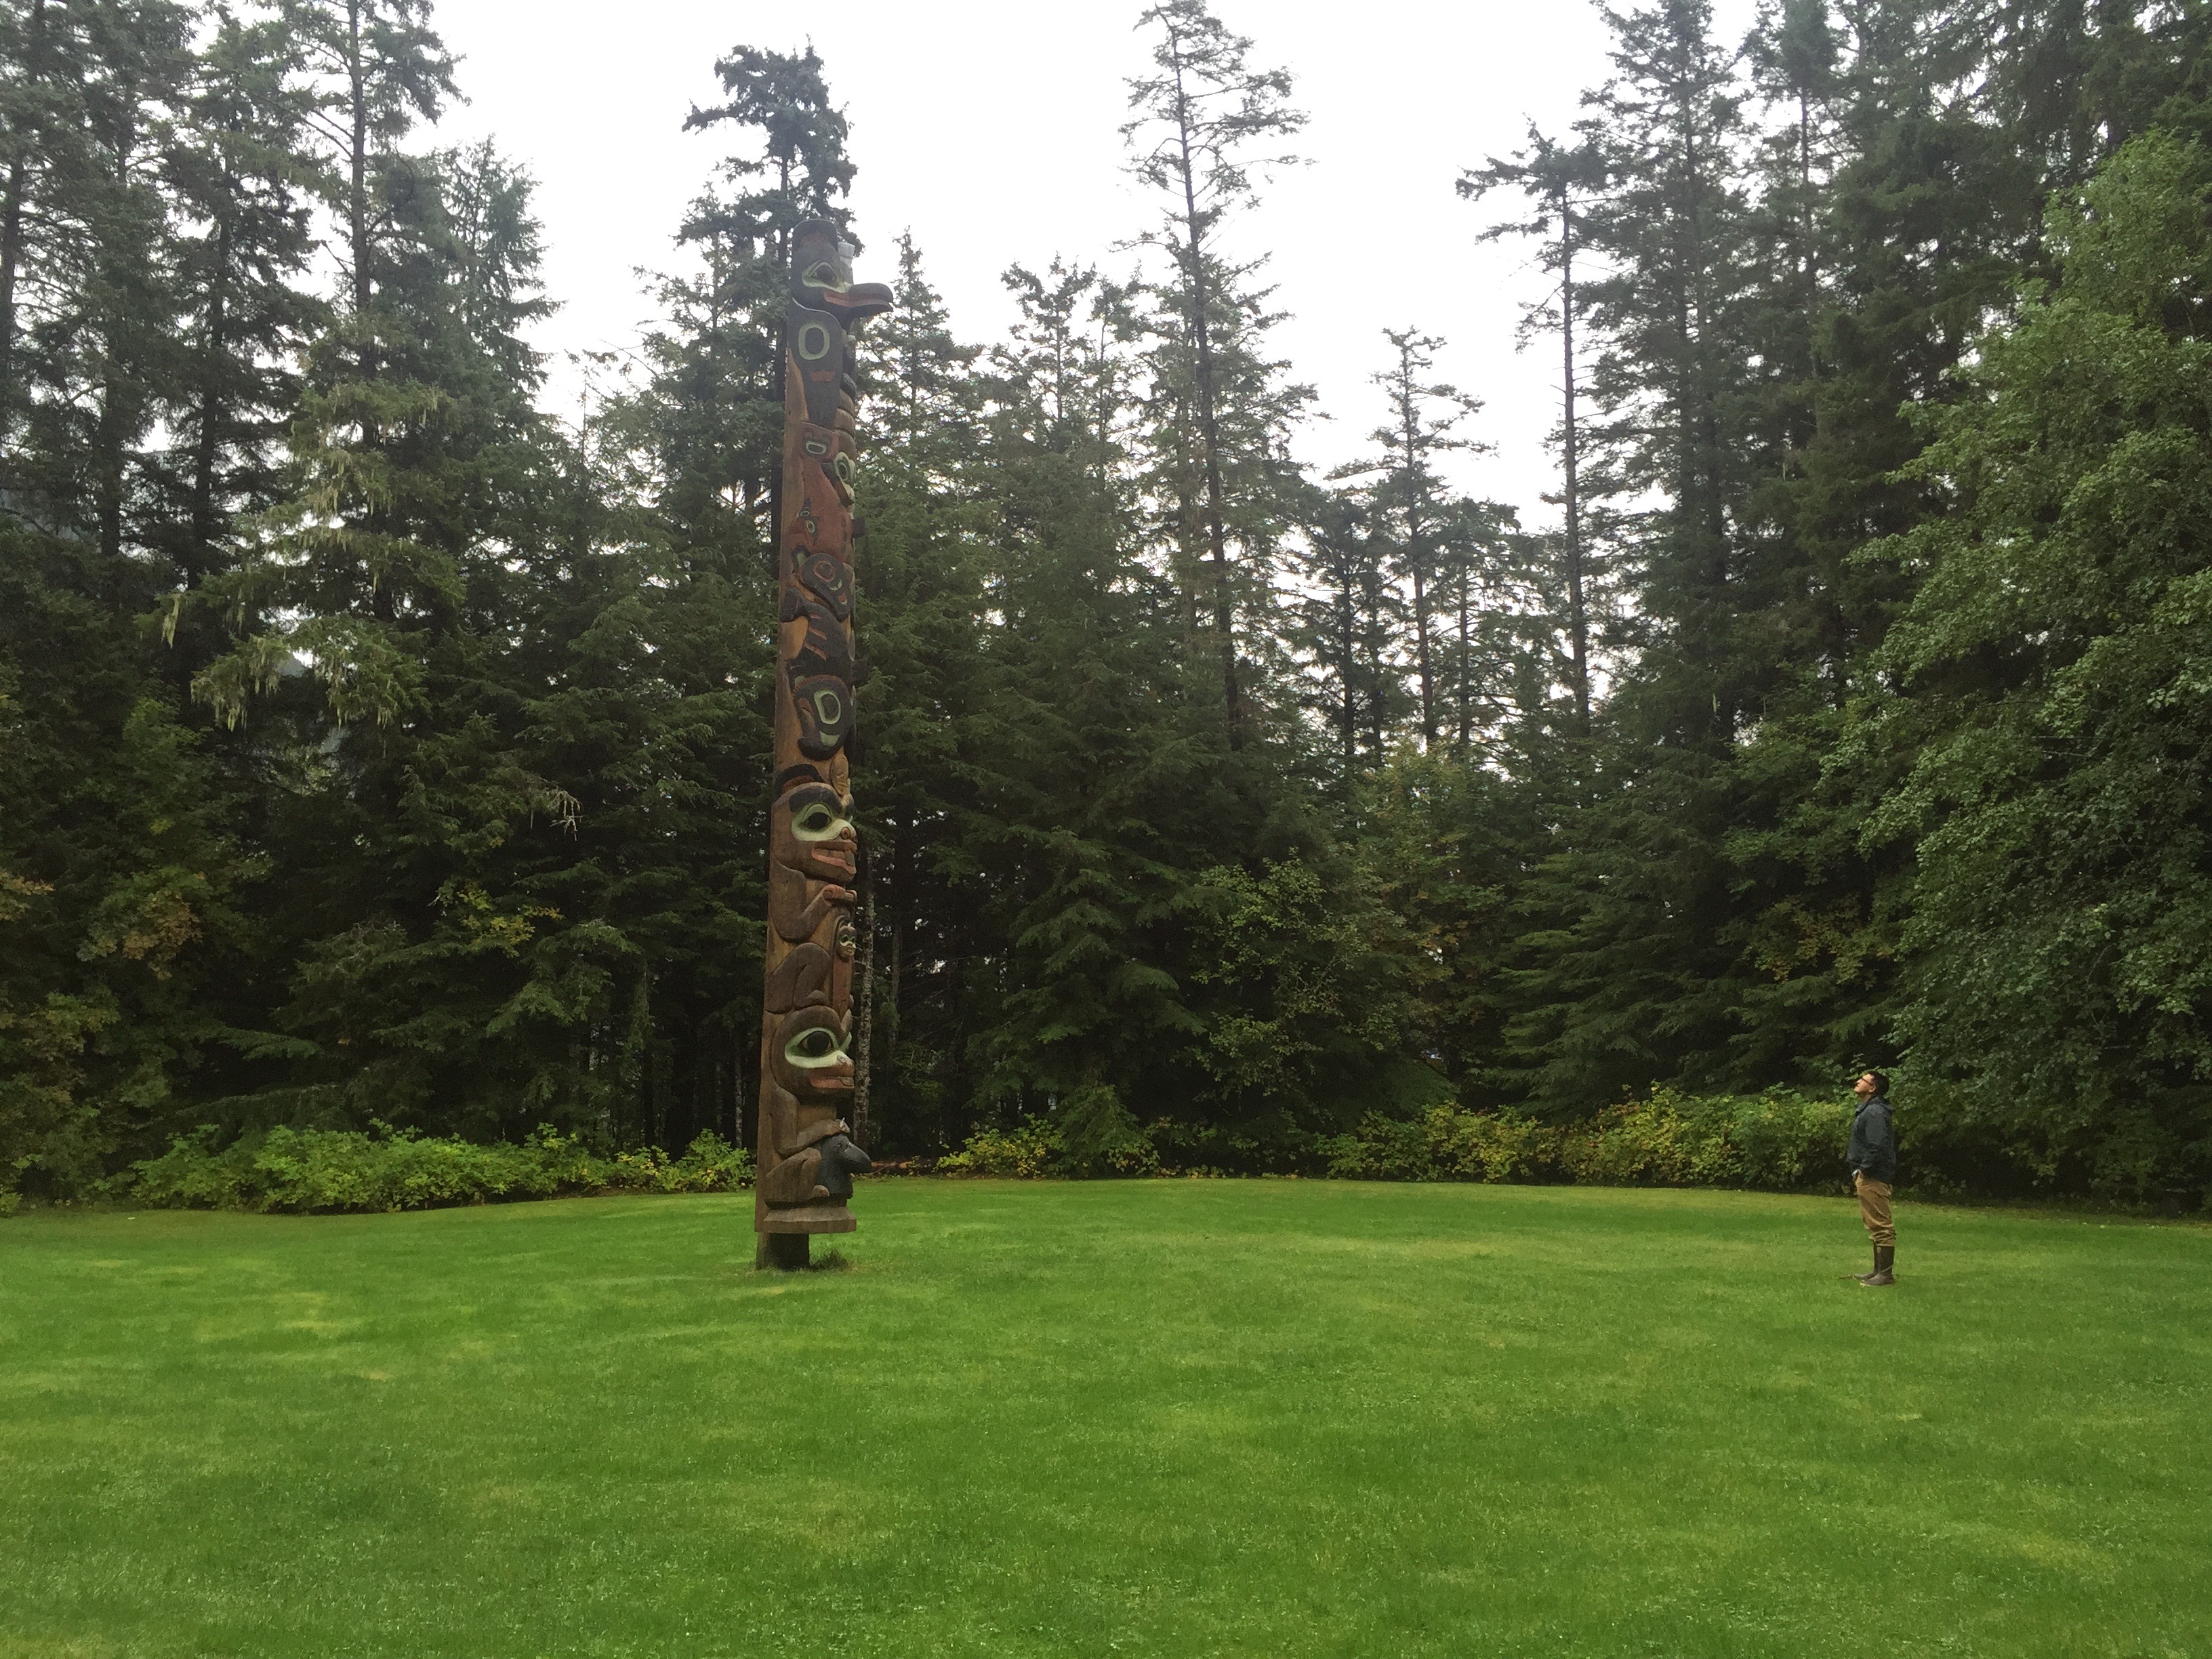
pixel 1886 1139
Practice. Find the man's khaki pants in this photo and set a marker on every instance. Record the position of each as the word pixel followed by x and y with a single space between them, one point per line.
pixel 1874 1209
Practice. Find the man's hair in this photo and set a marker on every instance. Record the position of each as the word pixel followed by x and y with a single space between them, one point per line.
pixel 1880 1081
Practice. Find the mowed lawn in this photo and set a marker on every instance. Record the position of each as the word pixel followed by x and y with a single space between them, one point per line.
pixel 1218 1418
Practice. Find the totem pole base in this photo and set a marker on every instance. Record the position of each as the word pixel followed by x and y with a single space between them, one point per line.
pixel 831 1218
pixel 785 1252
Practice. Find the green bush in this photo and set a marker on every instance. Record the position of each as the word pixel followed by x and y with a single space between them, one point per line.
pixel 1027 1152
pixel 1093 1135
pixel 305 1171
pixel 1444 1144
pixel 1782 1141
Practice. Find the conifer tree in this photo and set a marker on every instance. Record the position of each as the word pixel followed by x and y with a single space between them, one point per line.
pixel 791 166
pixel 378 68
pixel 236 170
pixel 1071 857
pixel 1407 495
pixel 1349 620
pixel 1200 116
pixel 1629 973
pixel 921 581
pixel 1560 181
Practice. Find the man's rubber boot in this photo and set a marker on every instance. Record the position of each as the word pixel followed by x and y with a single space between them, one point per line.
pixel 1885 1258
pixel 1867 1277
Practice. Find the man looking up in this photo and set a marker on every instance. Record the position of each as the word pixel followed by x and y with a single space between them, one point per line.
pixel 1874 1167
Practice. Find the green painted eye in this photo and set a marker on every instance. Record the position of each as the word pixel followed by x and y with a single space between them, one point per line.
pixel 816 822
pixel 823 274
pixel 813 342
pixel 829 708
pixel 845 467
pixel 814 1048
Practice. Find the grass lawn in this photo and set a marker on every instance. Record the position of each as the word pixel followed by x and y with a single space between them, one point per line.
pixel 1247 1417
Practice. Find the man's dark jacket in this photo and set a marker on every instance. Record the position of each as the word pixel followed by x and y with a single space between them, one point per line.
pixel 1874 1142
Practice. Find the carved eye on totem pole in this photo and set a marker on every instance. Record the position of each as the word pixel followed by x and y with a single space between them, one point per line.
pixel 822 261
pixel 813 850
pixel 809 1056
pixel 814 819
pixel 827 304
pixel 832 448
pixel 809 832
pixel 824 575
pixel 825 715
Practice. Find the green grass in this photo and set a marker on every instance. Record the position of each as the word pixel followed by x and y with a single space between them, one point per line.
pixel 1252 1418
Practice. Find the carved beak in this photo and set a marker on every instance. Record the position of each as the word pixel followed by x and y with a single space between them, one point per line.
pixel 857 303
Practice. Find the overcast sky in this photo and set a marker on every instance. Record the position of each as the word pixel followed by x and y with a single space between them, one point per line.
pixel 991 130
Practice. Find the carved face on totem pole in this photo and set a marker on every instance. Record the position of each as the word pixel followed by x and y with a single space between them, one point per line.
pixel 806 1157
pixel 812 850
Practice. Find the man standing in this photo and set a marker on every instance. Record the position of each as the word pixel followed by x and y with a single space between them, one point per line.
pixel 1874 1167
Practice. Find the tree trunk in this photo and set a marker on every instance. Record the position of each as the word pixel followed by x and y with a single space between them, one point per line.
pixel 1347 613
pixel 899 911
pixel 207 448
pixel 1466 706
pixel 1416 530
pixel 1578 609
pixel 864 1015
pixel 11 223
pixel 1224 607
pixel 1421 657
pixel 117 398
pixel 357 195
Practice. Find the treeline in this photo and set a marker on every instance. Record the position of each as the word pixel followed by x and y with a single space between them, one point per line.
pixel 377 748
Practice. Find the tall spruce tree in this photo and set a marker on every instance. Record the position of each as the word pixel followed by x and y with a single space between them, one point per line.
pixel 1559 181
pixel 922 573
pixel 1200 116
pixel 1407 495
pixel 238 172
pixel 791 166
pixel 1629 975
pixel 1348 619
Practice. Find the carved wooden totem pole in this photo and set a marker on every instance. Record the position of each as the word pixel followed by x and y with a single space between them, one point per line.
pixel 806 1157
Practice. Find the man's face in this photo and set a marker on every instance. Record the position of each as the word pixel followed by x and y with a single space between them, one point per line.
pixel 1864 1087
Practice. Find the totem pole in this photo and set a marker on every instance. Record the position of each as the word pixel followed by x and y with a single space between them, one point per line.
pixel 805 1154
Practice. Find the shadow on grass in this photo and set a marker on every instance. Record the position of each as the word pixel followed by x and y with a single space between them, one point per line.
pixel 829 1261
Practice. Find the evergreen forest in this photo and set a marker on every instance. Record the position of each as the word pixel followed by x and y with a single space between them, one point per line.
pixel 383 749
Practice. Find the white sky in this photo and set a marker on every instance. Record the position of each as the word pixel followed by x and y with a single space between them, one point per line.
pixel 991 129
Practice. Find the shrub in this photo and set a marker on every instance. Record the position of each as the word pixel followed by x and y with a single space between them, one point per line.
pixel 1444 1144
pixel 1027 1152
pixel 1781 1140
pixel 308 1170
pixel 1096 1135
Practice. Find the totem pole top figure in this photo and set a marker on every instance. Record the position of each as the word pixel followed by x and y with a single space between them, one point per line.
pixel 806 1157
